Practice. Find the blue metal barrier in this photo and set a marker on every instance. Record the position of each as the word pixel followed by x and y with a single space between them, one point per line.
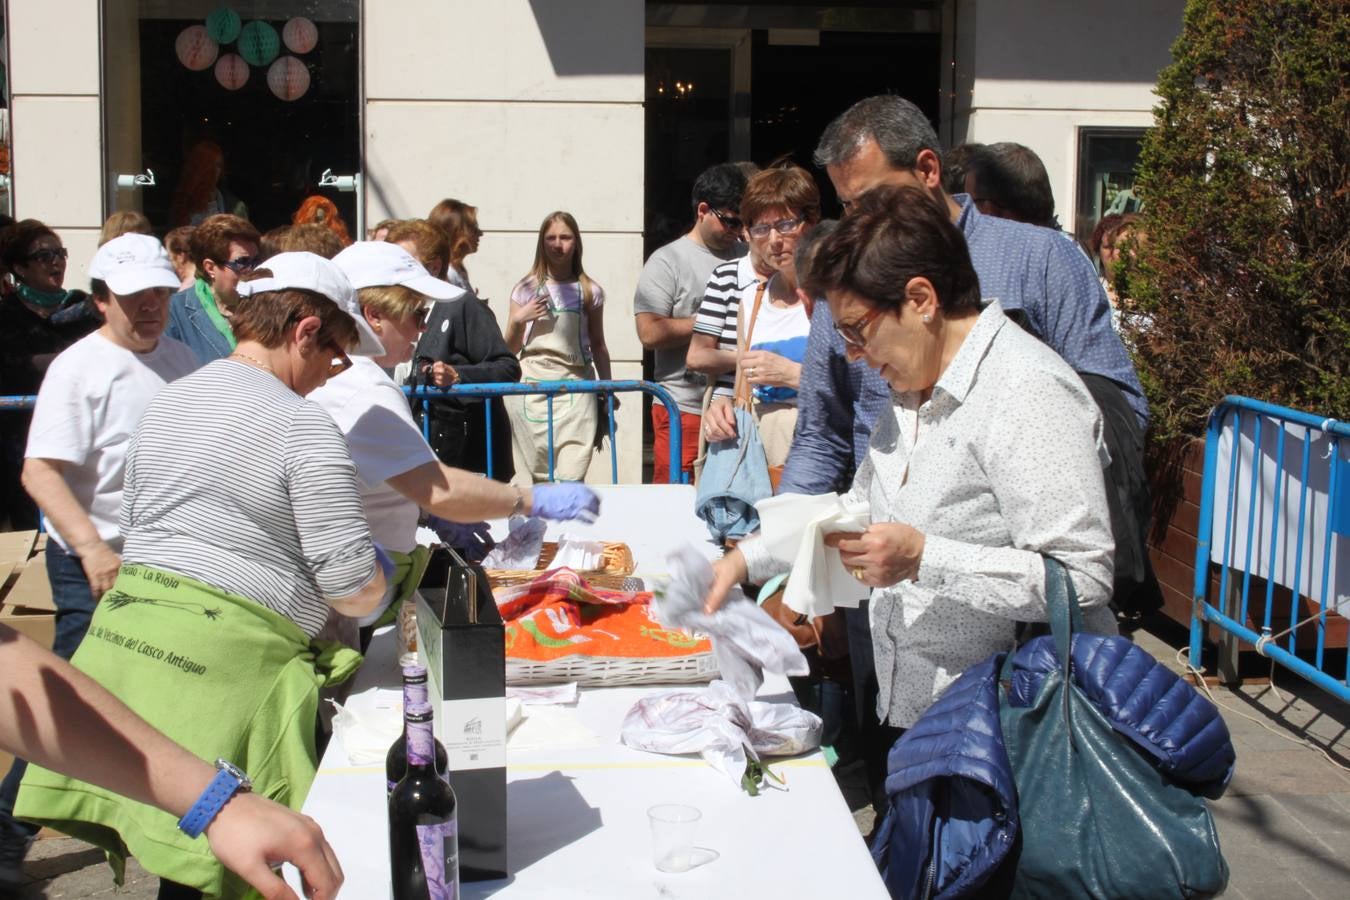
pixel 1258 548
pixel 553 389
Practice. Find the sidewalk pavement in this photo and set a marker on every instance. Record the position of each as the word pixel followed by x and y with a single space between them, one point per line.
pixel 1284 823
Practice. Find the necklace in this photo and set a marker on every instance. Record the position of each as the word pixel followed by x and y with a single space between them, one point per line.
pixel 253 359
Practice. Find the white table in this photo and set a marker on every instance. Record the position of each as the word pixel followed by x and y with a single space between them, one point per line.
pixel 577 818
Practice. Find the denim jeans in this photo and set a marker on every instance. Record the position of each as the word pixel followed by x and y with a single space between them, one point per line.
pixel 74 602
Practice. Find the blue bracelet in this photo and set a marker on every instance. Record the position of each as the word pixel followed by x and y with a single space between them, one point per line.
pixel 228 781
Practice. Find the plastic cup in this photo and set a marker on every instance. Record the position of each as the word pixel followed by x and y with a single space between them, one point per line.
pixel 673 827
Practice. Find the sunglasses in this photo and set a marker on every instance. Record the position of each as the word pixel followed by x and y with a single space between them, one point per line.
pixel 341 361
pixel 784 227
pixel 48 256
pixel 243 264
pixel 852 332
pixel 729 222
pixel 422 315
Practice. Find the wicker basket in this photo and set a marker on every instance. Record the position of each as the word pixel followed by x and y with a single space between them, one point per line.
pixel 593 671
pixel 615 574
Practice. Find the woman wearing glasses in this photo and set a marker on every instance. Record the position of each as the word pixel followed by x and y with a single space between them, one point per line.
pixel 987 460
pixel 770 324
pixel 38 319
pixel 223 247
pixel 399 473
pixel 557 325
pixel 242 525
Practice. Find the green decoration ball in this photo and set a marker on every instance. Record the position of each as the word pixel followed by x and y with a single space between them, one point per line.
pixel 223 25
pixel 259 43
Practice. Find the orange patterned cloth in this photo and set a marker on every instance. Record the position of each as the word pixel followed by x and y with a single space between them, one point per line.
pixel 559 614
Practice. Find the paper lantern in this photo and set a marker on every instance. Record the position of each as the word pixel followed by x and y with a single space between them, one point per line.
pixel 223 25
pixel 300 35
pixel 195 48
pixel 288 78
pixel 258 43
pixel 232 71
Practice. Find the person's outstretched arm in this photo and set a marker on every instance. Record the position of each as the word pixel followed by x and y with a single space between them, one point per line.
pixel 54 715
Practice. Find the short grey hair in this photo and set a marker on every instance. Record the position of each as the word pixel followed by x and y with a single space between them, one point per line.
pixel 898 126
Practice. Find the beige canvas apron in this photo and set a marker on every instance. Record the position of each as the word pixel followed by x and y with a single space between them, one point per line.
pixel 553 352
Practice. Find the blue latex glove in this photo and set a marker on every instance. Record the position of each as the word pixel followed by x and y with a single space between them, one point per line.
pixel 472 539
pixel 386 563
pixel 566 501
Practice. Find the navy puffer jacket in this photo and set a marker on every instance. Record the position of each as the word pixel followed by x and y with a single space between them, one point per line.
pixel 951 788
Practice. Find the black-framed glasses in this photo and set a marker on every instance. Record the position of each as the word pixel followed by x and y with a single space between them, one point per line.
pixel 243 264
pixel 341 361
pixel 48 255
pixel 852 332
pixel 729 222
pixel 784 227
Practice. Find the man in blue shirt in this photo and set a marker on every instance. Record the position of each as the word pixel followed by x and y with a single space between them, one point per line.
pixel 1042 281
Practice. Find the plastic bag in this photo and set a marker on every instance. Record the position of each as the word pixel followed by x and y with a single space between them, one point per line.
pixel 521 547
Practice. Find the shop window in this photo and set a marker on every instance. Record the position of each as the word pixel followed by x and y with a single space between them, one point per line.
pixel 1107 161
pixel 212 107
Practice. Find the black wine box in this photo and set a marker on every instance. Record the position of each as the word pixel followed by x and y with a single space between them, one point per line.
pixel 461 637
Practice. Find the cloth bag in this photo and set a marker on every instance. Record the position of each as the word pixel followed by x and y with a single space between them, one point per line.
pixel 1098 818
pixel 735 472
pixel 735 477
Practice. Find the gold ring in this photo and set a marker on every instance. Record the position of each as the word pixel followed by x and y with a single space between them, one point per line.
pixel 858 572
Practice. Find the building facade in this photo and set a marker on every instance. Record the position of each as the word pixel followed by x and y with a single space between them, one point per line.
pixel 604 108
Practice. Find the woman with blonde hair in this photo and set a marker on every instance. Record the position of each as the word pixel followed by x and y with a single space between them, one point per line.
pixel 557 325
pixel 124 221
pixel 459 221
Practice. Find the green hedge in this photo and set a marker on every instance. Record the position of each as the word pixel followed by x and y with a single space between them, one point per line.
pixel 1244 272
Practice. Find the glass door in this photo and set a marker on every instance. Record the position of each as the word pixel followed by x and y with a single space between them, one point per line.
pixel 212 107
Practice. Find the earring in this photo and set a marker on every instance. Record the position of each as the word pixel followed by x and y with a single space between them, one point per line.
pixel 927 318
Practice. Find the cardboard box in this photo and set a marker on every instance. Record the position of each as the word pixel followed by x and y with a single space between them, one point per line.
pixel 25 594
pixel 466 665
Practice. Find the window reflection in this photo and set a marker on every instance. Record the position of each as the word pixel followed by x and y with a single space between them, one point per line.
pixel 235 108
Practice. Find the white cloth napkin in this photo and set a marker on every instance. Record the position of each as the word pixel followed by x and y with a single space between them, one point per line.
pixel 793 528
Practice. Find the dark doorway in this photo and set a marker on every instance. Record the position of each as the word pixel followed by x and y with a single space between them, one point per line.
pixel 794 93
pixel 799 90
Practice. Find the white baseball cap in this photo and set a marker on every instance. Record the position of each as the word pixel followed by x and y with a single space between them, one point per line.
pixel 310 272
pixel 133 262
pixel 380 263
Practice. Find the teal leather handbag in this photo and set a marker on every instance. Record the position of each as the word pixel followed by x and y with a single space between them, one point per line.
pixel 1098 818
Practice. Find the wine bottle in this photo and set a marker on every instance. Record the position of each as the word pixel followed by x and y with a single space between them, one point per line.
pixel 396 760
pixel 423 825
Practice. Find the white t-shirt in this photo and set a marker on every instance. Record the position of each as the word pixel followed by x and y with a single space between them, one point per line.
pixel 87 410
pixel 375 418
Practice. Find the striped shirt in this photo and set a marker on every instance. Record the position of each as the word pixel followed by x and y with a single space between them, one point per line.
pixel 717 313
pixel 236 481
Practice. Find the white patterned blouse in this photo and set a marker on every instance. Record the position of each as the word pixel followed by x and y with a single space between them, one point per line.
pixel 1002 464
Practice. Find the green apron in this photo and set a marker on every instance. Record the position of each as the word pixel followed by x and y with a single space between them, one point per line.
pixel 220 674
